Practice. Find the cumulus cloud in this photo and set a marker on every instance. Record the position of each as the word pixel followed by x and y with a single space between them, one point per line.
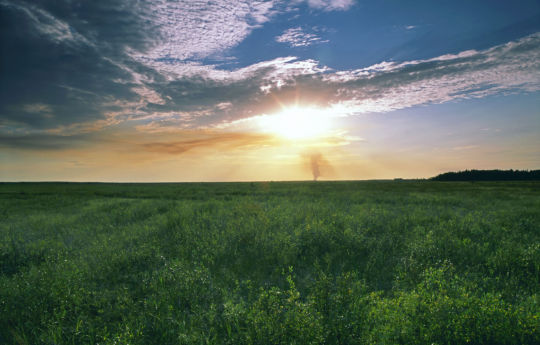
pixel 298 37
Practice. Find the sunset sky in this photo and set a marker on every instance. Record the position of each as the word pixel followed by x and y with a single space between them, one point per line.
pixel 239 90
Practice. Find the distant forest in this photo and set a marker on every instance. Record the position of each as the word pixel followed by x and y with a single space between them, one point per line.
pixel 489 175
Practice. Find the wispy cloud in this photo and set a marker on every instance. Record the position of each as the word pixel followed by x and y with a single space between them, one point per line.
pixel 43 141
pixel 507 68
pixel 331 5
pixel 208 140
pixel 37 108
pixel 48 25
pixel 253 90
pixel 298 37
pixel 466 147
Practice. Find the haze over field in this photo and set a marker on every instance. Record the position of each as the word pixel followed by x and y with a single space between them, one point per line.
pixel 232 90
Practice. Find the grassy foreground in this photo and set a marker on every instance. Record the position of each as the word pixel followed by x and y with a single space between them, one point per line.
pixel 270 263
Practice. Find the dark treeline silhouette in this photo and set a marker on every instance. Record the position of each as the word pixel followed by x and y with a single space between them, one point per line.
pixel 489 175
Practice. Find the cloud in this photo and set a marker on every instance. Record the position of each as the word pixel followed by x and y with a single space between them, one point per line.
pixel 175 142
pixel 47 25
pixel 43 141
pixel 37 108
pixel 59 63
pixel 207 139
pixel 71 68
pixel 212 96
pixel 261 88
pixel 507 68
pixel 297 37
pixel 196 28
pixel 331 5
pixel 91 60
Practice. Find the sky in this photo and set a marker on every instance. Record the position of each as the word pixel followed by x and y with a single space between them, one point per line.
pixel 240 90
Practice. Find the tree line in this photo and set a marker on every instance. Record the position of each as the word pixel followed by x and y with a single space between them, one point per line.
pixel 489 175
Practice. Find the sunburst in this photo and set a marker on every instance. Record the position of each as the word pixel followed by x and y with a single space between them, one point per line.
pixel 297 123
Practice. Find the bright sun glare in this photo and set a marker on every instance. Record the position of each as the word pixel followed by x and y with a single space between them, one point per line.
pixel 297 123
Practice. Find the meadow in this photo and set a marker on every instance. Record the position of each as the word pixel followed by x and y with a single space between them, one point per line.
pixel 368 262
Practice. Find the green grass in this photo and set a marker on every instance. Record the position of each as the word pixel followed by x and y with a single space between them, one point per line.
pixel 270 263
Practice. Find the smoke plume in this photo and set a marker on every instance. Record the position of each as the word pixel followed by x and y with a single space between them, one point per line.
pixel 318 164
pixel 315 165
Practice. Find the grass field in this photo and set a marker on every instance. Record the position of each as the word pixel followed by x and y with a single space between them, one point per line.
pixel 375 262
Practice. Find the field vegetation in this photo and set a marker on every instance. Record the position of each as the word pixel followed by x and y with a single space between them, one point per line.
pixel 373 262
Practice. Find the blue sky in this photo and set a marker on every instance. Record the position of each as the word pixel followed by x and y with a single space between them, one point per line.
pixel 369 32
pixel 373 31
pixel 129 90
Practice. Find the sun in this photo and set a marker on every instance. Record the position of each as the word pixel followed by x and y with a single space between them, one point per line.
pixel 297 123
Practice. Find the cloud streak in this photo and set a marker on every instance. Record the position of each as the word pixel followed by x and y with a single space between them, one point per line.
pixel 202 140
pixel 507 68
